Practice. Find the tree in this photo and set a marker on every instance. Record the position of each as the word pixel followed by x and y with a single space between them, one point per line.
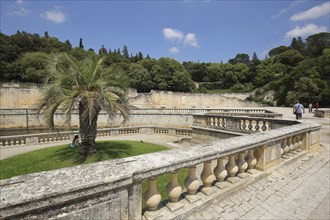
pixel 88 85
pixel 298 45
pixel 240 58
pixel 140 78
pixel 81 43
pixel 103 51
pixel 125 52
pixel 32 66
pixel 290 57
pixel 277 50
pixel 315 44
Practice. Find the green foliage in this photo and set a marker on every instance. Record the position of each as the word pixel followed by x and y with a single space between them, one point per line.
pixel 315 44
pixel 278 50
pixel 23 56
pixel 240 58
pixel 290 57
pixel 85 84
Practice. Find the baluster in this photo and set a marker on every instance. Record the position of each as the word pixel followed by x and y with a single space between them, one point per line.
pixel 152 197
pixel 290 144
pixel 295 145
pixel 191 182
pixel 207 178
pixel 257 127
pixel 231 166
pixel 300 143
pixel 250 125
pixel 220 171
pixel 242 164
pixel 173 188
pixel 6 142
pixel 223 122
pixel 244 124
pixel 218 122
pixel 264 127
pixel 250 159
pixel 284 148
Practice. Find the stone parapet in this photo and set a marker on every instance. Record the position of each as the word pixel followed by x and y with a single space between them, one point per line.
pixel 112 189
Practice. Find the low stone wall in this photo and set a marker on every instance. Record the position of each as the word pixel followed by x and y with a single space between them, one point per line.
pixel 113 189
pixel 322 113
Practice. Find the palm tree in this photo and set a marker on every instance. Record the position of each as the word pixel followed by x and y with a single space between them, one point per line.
pixel 87 85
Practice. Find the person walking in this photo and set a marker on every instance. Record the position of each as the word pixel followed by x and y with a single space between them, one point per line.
pixel 310 108
pixel 298 110
pixel 317 105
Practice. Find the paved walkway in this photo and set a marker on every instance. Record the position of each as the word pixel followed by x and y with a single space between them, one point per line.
pixel 299 190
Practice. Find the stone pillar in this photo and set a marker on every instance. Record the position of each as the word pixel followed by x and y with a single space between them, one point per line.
pixel 134 201
pixel 220 171
pixel 231 166
pixel 207 178
pixel 191 182
pixel 250 159
pixel 242 164
pixel 152 197
pixel 173 188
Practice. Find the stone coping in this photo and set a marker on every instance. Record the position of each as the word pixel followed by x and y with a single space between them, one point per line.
pixel 72 182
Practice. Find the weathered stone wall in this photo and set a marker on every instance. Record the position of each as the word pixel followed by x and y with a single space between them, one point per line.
pixel 18 96
pixel 167 99
pixel 27 118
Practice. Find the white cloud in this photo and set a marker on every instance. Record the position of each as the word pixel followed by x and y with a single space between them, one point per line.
pixel 21 11
pixel 285 10
pixel 191 40
pixel 55 16
pixel 307 30
pixel 315 12
pixel 174 50
pixel 18 9
pixel 172 34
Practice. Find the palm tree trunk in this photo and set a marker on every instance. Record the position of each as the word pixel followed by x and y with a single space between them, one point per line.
pixel 87 131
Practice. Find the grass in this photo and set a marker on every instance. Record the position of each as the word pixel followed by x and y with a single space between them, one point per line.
pixel 63 156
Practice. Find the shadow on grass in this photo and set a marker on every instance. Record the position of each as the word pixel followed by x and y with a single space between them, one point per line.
pixel 105 151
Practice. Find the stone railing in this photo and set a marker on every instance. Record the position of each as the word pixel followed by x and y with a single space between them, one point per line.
pixel 239 123
pixel 113 189
pixel 28 118
pixel 59 137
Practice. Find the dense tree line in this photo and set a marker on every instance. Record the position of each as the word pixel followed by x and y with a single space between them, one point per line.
pixel 298 71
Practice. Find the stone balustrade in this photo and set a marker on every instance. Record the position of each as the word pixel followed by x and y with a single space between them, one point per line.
pixel 239 123
pixel 169 117
pixel 113 189
pixel 58 137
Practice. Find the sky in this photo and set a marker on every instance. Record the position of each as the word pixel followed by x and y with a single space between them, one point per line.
pixel 186 30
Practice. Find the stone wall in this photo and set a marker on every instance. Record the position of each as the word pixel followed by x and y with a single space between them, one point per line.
pixel 18 96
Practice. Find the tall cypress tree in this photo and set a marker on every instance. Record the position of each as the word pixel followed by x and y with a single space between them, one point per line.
pixel 81 44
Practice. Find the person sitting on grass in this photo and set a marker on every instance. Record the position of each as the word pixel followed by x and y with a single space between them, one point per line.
pixel 75 142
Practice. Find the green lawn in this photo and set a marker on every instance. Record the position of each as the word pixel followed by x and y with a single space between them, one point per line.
pixel 63 156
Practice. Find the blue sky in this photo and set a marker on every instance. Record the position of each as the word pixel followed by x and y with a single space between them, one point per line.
pixel 186 30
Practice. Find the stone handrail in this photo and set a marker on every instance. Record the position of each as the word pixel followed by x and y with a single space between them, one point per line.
pixel 112 189
pixel 239 123
pixel 67 136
